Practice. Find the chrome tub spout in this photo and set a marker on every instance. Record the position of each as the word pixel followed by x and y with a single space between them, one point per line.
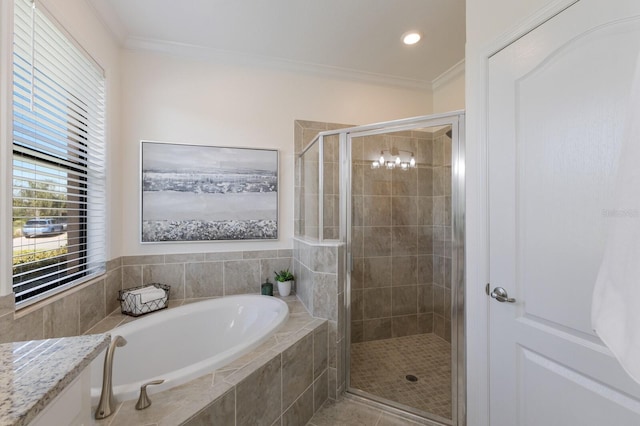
pixel 107 403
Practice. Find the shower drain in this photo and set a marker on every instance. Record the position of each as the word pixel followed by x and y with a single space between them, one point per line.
pixel 411 378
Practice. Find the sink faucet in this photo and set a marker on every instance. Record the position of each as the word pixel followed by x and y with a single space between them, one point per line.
pixel 107 402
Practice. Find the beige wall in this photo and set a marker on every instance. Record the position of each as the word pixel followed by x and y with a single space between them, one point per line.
pixel 448 90
pixel 176 99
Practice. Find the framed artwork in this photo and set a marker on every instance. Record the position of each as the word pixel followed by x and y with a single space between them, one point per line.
pixel 208 193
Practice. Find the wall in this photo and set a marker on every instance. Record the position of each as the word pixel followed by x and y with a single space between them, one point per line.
pixel 171 98
pixel 448 90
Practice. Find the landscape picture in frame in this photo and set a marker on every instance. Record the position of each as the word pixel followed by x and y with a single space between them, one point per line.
pixel 208 193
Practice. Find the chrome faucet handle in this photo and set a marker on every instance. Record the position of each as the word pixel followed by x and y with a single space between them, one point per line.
pixel 143 400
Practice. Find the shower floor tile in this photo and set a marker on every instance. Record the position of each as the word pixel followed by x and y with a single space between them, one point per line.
pixel 380 367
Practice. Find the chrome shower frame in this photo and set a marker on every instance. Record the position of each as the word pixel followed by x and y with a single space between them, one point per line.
pixel 456 120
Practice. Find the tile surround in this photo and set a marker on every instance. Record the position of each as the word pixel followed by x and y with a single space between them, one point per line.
pixel 191 276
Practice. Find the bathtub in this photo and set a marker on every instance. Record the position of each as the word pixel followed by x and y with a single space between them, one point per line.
pixel 181 344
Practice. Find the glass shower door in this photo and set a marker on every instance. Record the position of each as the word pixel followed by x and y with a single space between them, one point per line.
pixel 404 245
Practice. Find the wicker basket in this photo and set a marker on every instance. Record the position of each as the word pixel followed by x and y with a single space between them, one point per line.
pixel 131 303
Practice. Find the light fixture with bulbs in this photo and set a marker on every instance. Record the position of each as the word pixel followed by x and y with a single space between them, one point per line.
pixel 411 37
pixel 398 158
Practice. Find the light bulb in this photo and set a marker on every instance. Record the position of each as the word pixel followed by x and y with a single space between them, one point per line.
pixel 404 166
pixel 381 159
pixel 375 164
pixel 397 161
pixel 412 162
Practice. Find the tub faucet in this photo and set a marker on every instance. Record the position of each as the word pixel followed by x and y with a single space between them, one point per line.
pixel 107 402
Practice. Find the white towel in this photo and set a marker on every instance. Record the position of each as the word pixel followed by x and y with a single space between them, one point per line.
pixel 615 309
pixel 147 294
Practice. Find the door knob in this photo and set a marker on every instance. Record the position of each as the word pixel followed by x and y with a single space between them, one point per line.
pixel 500 294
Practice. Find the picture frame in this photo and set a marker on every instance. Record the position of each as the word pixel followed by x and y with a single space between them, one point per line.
pixel 196 193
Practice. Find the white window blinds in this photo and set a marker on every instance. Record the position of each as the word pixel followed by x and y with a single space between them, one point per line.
pixel 58 158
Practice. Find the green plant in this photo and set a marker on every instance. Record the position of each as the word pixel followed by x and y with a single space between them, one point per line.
pixel 284 275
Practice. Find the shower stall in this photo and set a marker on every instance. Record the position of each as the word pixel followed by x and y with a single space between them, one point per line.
pixel 387 200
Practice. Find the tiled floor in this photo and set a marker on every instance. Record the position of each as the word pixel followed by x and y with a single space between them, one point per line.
pixel 347 412
pixel 380 367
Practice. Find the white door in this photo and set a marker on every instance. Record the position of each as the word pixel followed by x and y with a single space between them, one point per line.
pixel 557 105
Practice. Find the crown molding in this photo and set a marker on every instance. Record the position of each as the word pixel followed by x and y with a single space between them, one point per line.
pixel 224 56
pixel 109 18
pixel 453 72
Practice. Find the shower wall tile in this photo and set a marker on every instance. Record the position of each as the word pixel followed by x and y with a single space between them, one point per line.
pixel 376 181
pixel 376 303
pixel 425 323
pixel 357 332
pixel 404 240
pixel 324 259
pixel 325 296
pixel 438 301
pixel 357 210
pixel 377 329
pixel 377 241
pixel 357 305
pixel 425 298
pixel 404 270
pixel 438 181
pixel 377 210
pixel 357 179
pixel 425 152
pixel 204 280
pixel 404 300
pixel 425 211
pixel 439 326
pixel 404 182
pixel 425 269
pixel 357 274
pixel 377 271
pixel 404 211
pixel 425 181
pixel 404 325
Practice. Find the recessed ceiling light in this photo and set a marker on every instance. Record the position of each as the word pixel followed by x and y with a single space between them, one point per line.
pixel 411 37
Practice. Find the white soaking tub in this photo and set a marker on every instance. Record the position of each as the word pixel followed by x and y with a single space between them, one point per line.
pixel 181 344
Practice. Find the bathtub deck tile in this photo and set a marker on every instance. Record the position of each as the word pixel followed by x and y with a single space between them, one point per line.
pixel 250 368
pixel 291 339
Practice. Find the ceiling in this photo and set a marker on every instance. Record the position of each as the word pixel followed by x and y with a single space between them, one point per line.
pixel 360 38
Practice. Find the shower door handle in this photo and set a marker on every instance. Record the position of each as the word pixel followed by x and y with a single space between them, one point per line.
pixel 501 295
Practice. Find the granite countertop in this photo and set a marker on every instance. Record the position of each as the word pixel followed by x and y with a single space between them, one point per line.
pixel 33 373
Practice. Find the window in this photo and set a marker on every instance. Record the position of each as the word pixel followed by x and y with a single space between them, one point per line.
pixel 58 159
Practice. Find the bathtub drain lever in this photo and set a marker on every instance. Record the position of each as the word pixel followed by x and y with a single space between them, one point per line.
pixel 144 401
